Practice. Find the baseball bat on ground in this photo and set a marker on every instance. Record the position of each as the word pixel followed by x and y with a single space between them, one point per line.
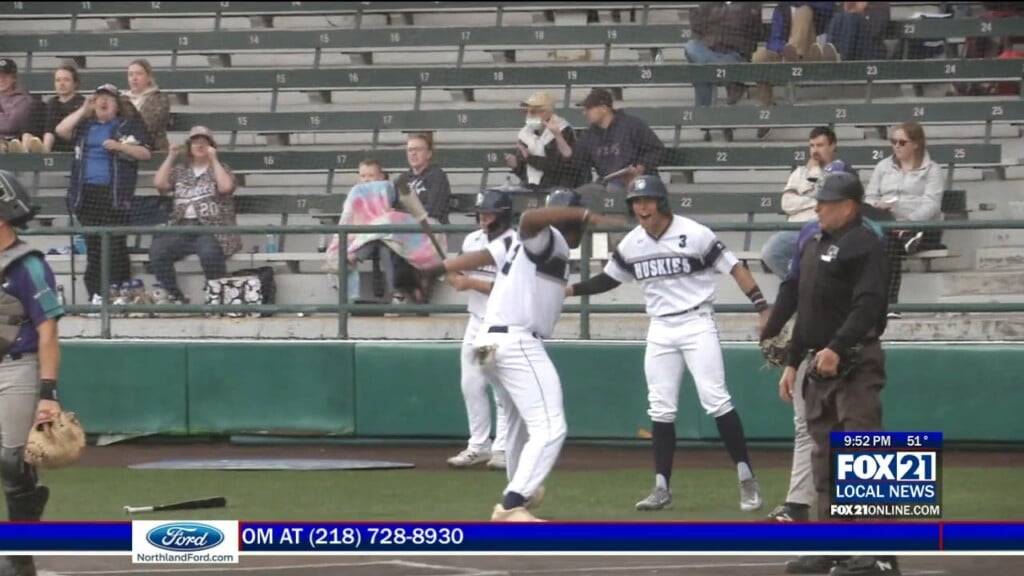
pixel 415 207
pixel 214 502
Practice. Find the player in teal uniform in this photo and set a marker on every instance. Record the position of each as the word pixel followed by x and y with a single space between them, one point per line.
pixel 29 361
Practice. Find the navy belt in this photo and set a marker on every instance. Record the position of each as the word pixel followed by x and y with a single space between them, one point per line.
pixel 504 330
pixel 687 311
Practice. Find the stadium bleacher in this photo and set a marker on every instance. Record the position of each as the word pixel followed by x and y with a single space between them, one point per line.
pixel 317 120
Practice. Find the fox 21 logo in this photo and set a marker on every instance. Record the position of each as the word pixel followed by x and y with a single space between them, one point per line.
pixel 892 466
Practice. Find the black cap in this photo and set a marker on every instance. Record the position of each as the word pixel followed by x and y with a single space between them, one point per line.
pixel 598 97
pixel 7 66
pixel 839 186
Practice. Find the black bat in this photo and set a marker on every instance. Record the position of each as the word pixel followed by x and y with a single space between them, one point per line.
pixel 214 502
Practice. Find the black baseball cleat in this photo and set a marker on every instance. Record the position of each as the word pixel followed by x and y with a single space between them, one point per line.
pixel 17 566
pixel 813 564
pixel 868 566
pixel 790 512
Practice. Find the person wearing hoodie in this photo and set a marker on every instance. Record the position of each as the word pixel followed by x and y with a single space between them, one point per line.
pixel 153 105
pixel 907 187
pixel 109 142
pixel 15 107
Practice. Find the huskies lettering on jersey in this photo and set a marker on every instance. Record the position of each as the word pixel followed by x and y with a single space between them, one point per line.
pixel 666 267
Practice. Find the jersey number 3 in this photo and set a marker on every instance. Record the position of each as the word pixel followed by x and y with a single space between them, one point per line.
pixel 508 262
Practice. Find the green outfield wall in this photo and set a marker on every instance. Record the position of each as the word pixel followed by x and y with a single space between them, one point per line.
pixel 970 392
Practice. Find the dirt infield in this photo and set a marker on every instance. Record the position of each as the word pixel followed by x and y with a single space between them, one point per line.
pixel 574 457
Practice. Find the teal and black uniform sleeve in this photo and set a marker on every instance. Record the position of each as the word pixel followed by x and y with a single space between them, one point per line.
pixel 40 292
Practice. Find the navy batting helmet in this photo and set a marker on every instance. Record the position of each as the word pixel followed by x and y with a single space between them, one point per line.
pixel 648 186
pixel 495 201
pixel 564 197
pixel 14 201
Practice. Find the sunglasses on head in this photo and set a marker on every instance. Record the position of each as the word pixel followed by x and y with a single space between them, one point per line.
pixel 896 142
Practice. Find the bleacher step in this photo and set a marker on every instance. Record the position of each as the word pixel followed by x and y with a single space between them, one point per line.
pixel 1000 259
pixel 982 283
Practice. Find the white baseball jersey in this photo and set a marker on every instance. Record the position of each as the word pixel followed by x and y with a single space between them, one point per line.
pixel 474 242
pixel 677 270
pixel 529 289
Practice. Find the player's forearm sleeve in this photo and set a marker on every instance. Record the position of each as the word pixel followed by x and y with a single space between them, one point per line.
pixel 597 285
pixel 784 308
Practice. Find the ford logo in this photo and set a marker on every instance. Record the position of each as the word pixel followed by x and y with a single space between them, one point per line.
pixel 184 537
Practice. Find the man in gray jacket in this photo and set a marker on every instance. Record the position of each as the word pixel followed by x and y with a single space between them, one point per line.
pixel 15 108
pixel 619 147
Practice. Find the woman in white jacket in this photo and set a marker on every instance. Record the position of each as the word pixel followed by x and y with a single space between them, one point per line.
pixel 908 187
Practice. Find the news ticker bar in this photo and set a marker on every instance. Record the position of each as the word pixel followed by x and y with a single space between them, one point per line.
pixel 883 440
pixel 337 538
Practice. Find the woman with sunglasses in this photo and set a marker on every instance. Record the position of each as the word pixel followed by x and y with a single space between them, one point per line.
pixel 907 187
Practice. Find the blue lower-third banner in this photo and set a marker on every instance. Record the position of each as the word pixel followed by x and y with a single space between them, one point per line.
pixel 198 538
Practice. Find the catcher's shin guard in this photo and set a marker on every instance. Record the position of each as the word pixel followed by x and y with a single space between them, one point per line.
pixel 26 499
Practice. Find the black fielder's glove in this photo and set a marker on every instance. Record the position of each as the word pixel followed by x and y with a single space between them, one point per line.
pixel 847 362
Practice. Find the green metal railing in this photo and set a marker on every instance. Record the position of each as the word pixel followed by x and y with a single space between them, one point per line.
pixel 343 308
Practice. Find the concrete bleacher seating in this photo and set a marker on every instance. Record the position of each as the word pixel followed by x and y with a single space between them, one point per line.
pixel 487 59
pixel 224 42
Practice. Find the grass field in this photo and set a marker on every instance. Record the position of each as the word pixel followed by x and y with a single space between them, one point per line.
pixel 435 495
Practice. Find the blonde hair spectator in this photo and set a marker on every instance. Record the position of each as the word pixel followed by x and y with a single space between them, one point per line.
pixel 153 105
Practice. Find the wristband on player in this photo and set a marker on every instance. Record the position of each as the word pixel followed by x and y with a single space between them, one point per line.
pixel 755 295
pixel 48 389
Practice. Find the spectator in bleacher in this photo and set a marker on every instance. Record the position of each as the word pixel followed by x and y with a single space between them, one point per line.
pixel 428 181
pixel 543 158
pixel 723 33
pixel 371 207
pixel 109 141
pixel 795 26
pixel 619 147
pixel 372 202
pixel 857 32
pixel 15 108
pixel 203 189
pixel 906 187
pixel 153 105
pixel 798 200
pixel 988 47
pixel 43 137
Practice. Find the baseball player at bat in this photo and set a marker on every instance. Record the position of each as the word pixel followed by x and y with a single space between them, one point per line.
pixel 526 302
pixel 29 361
pixel 675 260
pixel 494 215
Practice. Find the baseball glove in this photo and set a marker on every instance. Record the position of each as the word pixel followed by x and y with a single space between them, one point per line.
pixel 847 362
pixel 55 443
pixel 776 350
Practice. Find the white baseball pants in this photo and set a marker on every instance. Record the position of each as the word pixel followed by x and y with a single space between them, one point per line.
pixel 801 476
pixel 474 393
pixel 531 393
pixel 675 343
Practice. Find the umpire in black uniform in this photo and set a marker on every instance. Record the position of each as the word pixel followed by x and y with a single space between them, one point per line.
pixel 837 287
